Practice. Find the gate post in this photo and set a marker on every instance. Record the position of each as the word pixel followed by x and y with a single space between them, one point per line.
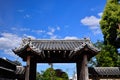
pixel 27 73
pixel 30 69
pixel 82 69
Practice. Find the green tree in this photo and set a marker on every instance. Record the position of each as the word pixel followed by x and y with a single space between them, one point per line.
pixel 38 76
pixel 51 74
pixel 61 75
pixel 64 76
pixel 110 26
pixel 110 21
pixel 107 57
pixel 94 61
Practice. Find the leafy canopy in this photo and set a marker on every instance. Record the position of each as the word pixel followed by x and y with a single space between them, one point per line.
pixel 110 26
pixel 110 21
pixel 51 74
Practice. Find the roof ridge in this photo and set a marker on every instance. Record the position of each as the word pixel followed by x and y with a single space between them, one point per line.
pixel 30 39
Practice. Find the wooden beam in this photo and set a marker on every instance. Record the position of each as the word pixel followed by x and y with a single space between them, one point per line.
pixel 54 51
pixel 48 54
pixel 64 54
pixel 59 51
pixel 70 54
pixel 43 54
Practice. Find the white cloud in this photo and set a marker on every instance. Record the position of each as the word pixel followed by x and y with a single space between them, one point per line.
pixel 9 41
pixel 38 31
pixel 93 23
pixel 20 29
pixel 53 37
pixel 100 14
pixel 51 33
pixel 90 21
pixel 23 29
pixel 28 36
pixel 58 28
pixel 70 37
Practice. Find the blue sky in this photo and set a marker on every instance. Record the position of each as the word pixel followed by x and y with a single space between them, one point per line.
pixel 48 19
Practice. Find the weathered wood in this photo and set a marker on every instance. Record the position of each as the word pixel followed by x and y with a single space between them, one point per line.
pixel 71 54
pixel 82 69
pixel 43 54
pixel 78 67
pixel 32 69
pixel 64 54
pixel 27 68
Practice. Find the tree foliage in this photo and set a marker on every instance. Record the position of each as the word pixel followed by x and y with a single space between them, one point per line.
pixel 51 74
pixel 110 21
pixel 61 74
pixel 38 76
pixel 110 26
pixel 108 56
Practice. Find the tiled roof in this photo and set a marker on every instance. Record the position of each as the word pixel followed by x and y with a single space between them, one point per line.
pixel 105 72
pixel 5 62
pixel 40 45
pixel 6 69
pixel 99 72
pixel 20 70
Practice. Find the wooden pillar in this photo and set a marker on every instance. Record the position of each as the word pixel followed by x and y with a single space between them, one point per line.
pixel 30 69
pixel 82 69
pixel 78 65
pixel 27 68
pixel 85 68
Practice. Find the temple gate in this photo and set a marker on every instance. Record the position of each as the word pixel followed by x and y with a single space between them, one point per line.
pixel 56 51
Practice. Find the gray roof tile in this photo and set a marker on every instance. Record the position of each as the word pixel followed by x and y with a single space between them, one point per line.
pixel 40 45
